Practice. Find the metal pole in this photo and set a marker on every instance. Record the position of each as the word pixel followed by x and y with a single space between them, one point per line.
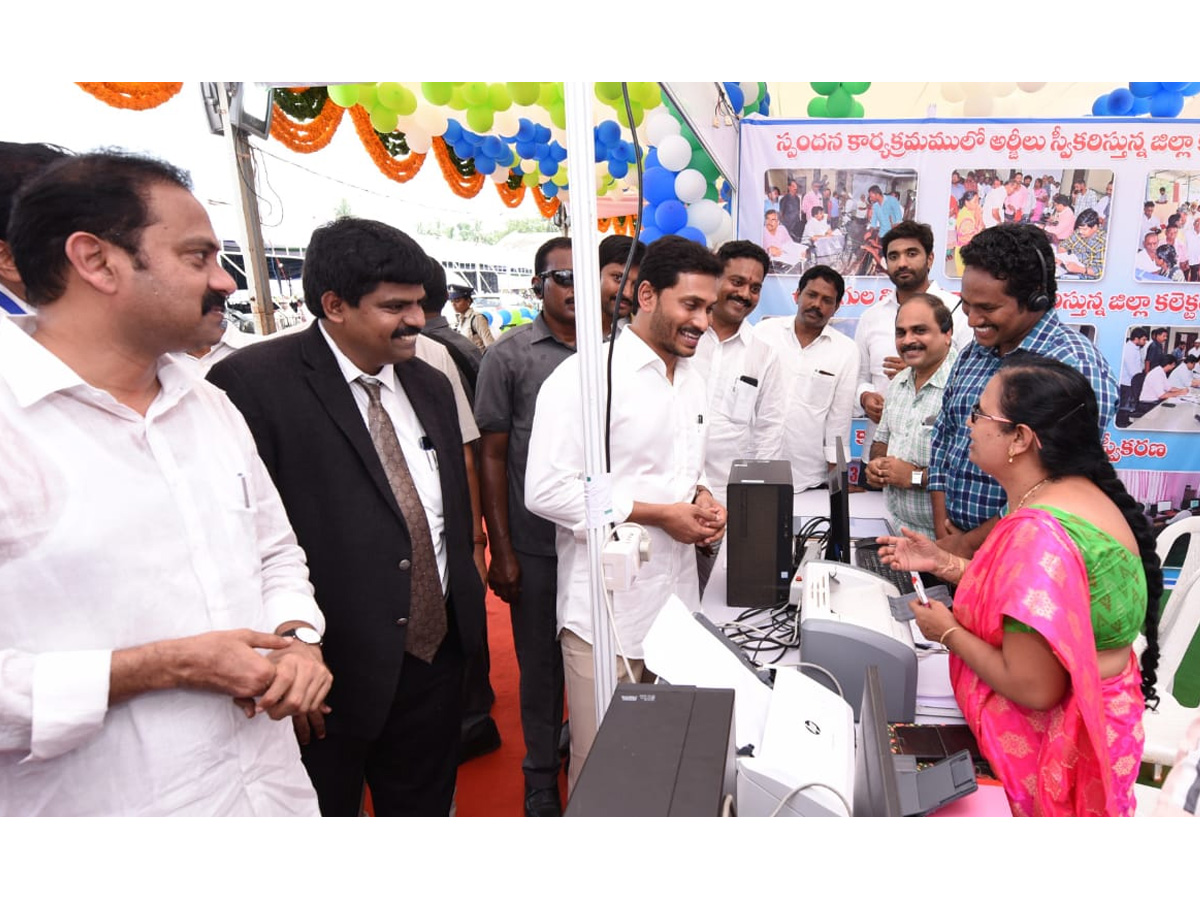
pixel 585 260
pixel 254 257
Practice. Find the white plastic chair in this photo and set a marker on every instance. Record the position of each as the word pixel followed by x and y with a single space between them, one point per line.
pixel 1177 626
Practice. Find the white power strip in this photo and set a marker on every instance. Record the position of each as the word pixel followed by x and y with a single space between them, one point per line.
pixel 623 555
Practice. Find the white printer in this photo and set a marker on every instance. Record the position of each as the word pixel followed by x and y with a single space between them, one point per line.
pixel 846 624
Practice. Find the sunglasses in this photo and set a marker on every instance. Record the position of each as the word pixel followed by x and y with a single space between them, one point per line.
pixel 561 277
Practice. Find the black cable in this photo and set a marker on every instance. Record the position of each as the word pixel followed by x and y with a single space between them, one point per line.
pixel 637 233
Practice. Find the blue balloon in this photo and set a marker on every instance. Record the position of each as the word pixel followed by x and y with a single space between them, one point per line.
pixel 726 190
pixel 525 149
pixel 507 158
pixel 541 134
pixel 526 130
pixel 1120 102
pixel 1141 106
pixel 617 168
pixel 557 151
pixel 622 151
pixel 692 233
pixel 671 216
pixel 650 160
pixel 649 213
pixel 453 132
pixel 599 152
pixel 548 166
pixel 658 185
pixel 1144 88
pixel 464 149
pixel 484 165
pixel 649 234
pixel 737 99
pixel 1191 89
pixel 1174 86
pixel 764 108
pixel 541 151
pixel 493 147
pixel 1100 106
pixel 549 189
pixel 1166 105
pixel 609 132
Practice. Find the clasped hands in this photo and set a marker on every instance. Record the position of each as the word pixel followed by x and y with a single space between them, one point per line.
pixel 885 471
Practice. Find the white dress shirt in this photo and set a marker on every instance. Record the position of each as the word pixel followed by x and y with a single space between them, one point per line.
pixel 117 530
pixel 422 463
pixel 1181 377
pixel 1155 385
pixel 875 337
pixel 436 354
pixel 657 440
pixel 745 420
pixel 820 382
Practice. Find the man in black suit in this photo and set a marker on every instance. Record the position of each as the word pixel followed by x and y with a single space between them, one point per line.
pixel 360 438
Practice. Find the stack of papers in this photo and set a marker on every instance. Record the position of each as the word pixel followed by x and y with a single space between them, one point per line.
pixel 935 697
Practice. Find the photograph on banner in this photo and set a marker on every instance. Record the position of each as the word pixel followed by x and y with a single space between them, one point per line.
pixel 833 217
pixel 1167 496
pixel 1169 232
pixel 1158 379
pixel 1071 205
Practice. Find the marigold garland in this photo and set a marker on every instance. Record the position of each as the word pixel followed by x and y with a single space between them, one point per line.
pixel 510 196
pixel 546 206
pixel 132 94
pixel 465 186
pixel 625 225
pixel 310 136
pixel 401 170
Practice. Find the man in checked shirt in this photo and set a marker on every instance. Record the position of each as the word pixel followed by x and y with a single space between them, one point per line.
pixel 1008 293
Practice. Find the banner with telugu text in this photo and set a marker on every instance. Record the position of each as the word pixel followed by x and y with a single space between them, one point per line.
pixel 1119 198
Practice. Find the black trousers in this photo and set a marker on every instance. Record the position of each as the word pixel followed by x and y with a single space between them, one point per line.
pixel 411 766
pixel 535 638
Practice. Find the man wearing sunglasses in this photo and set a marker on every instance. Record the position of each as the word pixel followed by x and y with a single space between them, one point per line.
pixel 1008 294
pixel 658 435
pixel 523 569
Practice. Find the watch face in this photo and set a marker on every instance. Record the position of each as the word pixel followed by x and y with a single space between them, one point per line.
pixel 916 477
pixel 306 635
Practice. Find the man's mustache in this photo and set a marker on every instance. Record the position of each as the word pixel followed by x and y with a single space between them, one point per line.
pixel 407 331
pixel 212 300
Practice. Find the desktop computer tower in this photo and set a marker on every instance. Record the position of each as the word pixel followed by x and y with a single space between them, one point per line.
pixel 759 533
pixel 662 750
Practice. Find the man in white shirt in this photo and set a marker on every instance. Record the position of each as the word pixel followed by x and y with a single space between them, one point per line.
pixel 1184 373
pixel 1131 367
pixel 908 254
pixel 147 557
pixel 993 204
pixel 657 469
pixel 18 163
pixel 818 225
pixel 820 365
pixel 784 252
pixel 746 392
pixel 1157 386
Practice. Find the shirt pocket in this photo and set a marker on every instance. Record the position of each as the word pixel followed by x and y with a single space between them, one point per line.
pixel 740 402
pixel 815 389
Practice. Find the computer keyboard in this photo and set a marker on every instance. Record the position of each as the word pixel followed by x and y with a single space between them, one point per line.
pixel 866 556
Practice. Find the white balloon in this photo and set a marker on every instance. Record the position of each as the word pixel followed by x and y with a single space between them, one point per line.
pixel 705 215
pixel 417 139
pixel 506 123
pixel 500 175
pixel 749 92
pixel 529 165
pixel 953 92
pixel 659 126
pixel 1031 87
pixel 978 106
pixel 723 233
pixel 1003 88
pixel 690 186
pixel 674 152
pixel 430 119
pixel 976 89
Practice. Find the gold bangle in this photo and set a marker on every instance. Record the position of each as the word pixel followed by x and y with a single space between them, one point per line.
pixel 946 634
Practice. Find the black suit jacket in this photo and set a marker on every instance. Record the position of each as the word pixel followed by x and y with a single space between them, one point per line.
pixel 316 446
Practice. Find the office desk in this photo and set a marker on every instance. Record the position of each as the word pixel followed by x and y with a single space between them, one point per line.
pixel 1180 417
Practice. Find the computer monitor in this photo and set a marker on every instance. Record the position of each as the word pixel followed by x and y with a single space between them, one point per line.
pixel 876 791
pixel 837 546
pixel 1164 506
pixel 1194 504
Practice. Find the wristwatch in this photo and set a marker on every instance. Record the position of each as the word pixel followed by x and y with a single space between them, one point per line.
pixel 918 477
pixel 304 635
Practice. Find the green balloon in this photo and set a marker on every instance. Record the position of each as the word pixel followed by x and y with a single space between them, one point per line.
pixel 558 113
pixel 839 104
pixel 550 93
pixel 825 88
pixel 530 179
pixel 690 137
pixel 344 95
pixel 384 120
pixel 610 92
pixel 499 98
pixel 652 96
pixel 856 110
pixel 856 87
pixel 368 97
pixel 635 108
pixel 457 100
pixel 704 165
pixel 818 108
pixel 436 92
pixel 524 93
pixel 479 118
pixel 711 193
pixel 475 93
pixel 389 93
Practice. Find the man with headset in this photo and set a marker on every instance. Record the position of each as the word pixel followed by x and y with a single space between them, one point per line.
pixel 1008 294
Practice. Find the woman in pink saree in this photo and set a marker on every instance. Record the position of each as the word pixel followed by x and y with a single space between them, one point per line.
pixel 1047 609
